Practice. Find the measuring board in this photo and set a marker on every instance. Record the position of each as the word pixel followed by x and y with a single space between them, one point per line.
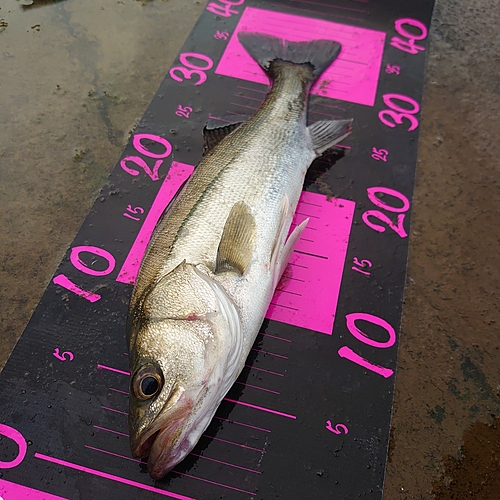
pixel 309 416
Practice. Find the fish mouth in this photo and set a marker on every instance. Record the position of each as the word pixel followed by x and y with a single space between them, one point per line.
pixel 164 442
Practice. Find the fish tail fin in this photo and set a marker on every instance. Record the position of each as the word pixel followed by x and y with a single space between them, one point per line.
pixel 317 54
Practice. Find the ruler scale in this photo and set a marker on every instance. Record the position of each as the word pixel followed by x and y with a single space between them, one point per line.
pixel 309 416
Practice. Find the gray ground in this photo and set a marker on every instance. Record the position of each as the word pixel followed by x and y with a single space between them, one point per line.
pixel 76 76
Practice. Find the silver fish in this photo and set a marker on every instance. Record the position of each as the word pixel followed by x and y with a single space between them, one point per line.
pixel 217 254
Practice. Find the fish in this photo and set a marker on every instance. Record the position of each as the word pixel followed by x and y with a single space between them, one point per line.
pixel 218 253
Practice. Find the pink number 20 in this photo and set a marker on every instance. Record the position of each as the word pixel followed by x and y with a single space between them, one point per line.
pixel 140 148
pixel 398 113
pixel 397 227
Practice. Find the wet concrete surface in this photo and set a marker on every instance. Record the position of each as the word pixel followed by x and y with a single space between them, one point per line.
pixel 77 76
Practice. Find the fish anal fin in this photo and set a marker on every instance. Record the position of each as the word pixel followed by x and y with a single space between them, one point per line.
pixel 217 129
pixel 287 251
pixel 238 241
pixel 326 133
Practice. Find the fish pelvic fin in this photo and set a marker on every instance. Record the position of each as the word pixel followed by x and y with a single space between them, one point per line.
pixel 238 241
pixel 326 133
pixel 287 251
pixel 265 49
pixel 283 246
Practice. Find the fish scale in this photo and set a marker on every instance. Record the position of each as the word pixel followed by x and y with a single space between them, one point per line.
pixel 247 160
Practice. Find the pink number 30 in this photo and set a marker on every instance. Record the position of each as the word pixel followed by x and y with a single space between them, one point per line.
pixel 194 69
pixel 398 113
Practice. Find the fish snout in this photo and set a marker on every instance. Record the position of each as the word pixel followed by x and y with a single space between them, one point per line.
pixel 163 441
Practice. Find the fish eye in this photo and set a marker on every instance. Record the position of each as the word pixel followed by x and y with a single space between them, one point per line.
pixel 147 383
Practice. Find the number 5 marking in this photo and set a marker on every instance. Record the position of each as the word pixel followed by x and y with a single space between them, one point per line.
pixel 336 429
pixel 62 356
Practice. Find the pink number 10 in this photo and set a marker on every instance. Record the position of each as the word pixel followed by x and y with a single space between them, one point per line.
pixel 65 282
pixel 348 353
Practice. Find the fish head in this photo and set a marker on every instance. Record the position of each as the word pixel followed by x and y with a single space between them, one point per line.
pixel 169 382
pixel 183 353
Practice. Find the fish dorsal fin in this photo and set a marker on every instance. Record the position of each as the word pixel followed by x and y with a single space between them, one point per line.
pixel 217 129
pixel 327 133
pixel 238 240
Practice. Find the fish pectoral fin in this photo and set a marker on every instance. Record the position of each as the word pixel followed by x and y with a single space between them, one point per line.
pixel 217 129
pixel 287 251
pixel 327 133
pixel 238 240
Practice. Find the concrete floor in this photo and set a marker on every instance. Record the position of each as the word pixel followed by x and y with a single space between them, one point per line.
pixel 77 76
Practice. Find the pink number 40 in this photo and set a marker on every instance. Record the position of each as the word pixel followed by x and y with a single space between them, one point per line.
pixel 409 44
pixel 224 8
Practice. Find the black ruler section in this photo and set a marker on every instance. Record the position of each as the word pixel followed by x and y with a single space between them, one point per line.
pixel 309 416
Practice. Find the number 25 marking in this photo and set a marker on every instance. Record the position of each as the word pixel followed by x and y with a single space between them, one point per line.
pixel 183 111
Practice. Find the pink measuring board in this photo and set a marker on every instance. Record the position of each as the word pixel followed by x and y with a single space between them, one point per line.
pixel 177 174
pixel 13 491
pixel 309 414
pixel 308 292
pixel 352 77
